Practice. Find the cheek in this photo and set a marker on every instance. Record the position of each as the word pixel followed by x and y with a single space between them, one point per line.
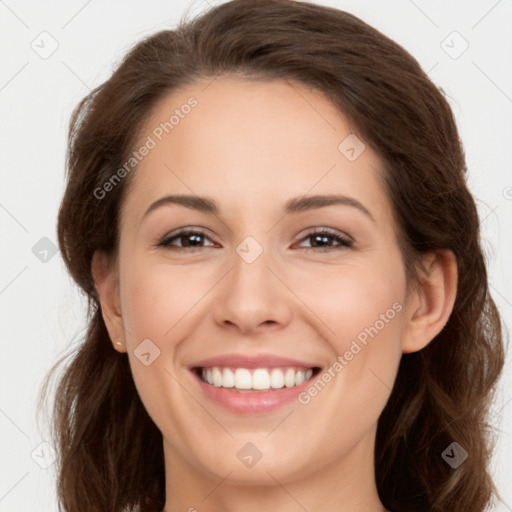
pixel 361 310
pixel 157 303
pixel 355 301
pixel 157 297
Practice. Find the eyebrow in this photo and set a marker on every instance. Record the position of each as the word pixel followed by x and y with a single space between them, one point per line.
pixel 292 206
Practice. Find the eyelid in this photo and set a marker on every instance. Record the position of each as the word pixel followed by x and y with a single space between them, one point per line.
pixel 177 233
pixel 325 230
pixel 344 241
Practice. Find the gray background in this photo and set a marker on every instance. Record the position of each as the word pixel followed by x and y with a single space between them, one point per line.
pixel 41 311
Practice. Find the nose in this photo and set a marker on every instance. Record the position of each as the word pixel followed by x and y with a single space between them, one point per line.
pixel 252 297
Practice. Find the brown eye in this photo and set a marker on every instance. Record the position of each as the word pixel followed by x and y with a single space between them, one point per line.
pixel 190 239
pixel 322 240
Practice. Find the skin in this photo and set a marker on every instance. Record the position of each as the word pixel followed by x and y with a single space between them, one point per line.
pixel 251 146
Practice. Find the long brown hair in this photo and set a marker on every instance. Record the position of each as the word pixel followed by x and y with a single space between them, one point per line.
pixel 111 454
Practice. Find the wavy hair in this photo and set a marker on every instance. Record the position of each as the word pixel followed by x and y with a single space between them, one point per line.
pixel 442 393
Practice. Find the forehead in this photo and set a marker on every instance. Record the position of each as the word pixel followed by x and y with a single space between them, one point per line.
pixel 253 143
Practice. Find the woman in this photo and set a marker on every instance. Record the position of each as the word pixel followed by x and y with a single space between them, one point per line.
pixel 268 211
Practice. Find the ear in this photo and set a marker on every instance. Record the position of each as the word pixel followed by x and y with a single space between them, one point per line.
pixel 106 282
pixel 430 304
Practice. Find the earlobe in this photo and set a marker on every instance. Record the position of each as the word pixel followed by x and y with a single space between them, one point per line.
pixel 431 303
pixel 106 282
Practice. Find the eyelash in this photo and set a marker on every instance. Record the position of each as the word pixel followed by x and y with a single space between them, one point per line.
pixel 344 243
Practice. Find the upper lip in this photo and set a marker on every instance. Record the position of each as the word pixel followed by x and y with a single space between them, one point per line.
pixel 252 361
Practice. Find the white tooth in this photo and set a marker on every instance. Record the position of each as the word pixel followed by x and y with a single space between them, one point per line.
pixel 260 379
pixel 289 378
pixel 277 378
pixel 299 378
pixel 228 379
pixel 243 379
pixel 217 377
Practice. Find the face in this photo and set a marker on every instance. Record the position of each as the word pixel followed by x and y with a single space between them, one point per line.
pixel 278 262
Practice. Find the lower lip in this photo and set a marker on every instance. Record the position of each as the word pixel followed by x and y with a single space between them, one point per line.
pixel 251 403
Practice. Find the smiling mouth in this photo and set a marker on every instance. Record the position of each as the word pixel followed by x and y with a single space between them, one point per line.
pixel 255 379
